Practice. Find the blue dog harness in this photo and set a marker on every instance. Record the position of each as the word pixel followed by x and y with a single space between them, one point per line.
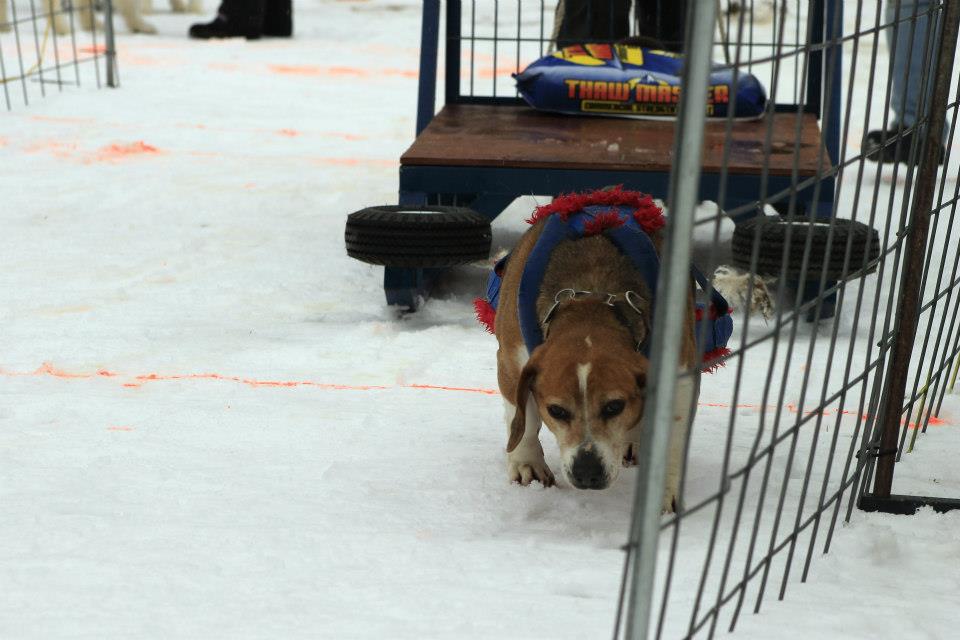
pixel 714 325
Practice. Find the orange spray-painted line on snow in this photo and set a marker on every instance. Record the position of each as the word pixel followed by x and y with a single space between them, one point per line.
pixel 489 392
pixel 122 151
pixel 334 72
pixel 110 153
pixel 286 132
pixel 251 382
pixel 47 369
pixel 63 119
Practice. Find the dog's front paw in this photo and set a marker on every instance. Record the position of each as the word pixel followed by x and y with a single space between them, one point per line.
pixel 671 503
pixel 527 468
pixel 672 500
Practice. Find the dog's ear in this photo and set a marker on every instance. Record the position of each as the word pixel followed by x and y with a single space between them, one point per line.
pixel 519 424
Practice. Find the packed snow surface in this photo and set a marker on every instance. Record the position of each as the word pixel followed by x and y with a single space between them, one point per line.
pixel 212 426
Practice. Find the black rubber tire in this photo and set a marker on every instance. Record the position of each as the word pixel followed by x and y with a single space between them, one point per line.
pixel 427 236
pixel 771 232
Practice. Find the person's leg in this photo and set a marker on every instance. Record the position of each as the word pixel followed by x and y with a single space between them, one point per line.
pixel 910 68
pixel 579 21
pixel 663 21
pixel 913 40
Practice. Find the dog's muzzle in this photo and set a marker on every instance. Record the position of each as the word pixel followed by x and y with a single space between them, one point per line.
pixel 587 471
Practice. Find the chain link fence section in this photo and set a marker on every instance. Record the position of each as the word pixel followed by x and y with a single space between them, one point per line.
pixel 819 411
pixel 48 46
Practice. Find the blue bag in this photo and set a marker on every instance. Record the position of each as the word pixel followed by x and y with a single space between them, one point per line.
pixel 631 81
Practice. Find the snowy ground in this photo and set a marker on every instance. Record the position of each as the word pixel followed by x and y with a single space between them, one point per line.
pixel 211 426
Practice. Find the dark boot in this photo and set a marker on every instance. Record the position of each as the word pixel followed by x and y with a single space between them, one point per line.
pixel 278 18
pixel 235 19
pixel 887 148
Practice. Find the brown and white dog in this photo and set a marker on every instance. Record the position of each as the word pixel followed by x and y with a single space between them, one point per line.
pixel 587 380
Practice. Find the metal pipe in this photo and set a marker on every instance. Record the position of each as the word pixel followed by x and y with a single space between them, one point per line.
pixel 673 288
pixel 910 297
pixel 112 80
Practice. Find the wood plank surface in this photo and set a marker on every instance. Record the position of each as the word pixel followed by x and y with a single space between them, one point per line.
pixel 518 136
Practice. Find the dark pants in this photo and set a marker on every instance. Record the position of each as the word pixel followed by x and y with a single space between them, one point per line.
pixel 659 22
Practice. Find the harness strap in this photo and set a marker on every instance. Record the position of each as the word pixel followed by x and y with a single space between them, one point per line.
pixel 553 233
pixel 720 303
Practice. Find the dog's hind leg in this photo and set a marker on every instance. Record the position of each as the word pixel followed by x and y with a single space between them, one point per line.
pixel 4 19
pixel 525 463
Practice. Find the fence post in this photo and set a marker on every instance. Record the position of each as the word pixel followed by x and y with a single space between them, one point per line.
pixel 110 44
pixel 673 288
pixel 910 296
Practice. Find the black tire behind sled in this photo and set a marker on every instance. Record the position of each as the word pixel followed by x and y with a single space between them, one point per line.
pixel 771 233
pixel 427 236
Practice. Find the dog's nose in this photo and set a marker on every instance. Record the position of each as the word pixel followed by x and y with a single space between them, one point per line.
pixel 587 471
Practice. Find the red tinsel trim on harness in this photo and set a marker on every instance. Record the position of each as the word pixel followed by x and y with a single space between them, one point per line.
pixel 486 314
pixel 713 313
pixel 601 222
pixel 647 214
pixel 713 360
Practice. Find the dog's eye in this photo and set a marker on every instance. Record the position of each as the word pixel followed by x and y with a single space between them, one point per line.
pixel 557 412
pixel 612 409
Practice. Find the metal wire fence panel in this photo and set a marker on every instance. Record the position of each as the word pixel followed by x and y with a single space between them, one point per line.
pixel 860 257
pixel 51 46
pixel 499 38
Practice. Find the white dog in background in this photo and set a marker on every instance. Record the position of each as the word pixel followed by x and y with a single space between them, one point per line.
pixel 762 10
pixel 131 10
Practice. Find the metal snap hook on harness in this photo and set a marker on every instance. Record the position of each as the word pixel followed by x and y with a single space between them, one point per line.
pixel 632 298
pixel 557 299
